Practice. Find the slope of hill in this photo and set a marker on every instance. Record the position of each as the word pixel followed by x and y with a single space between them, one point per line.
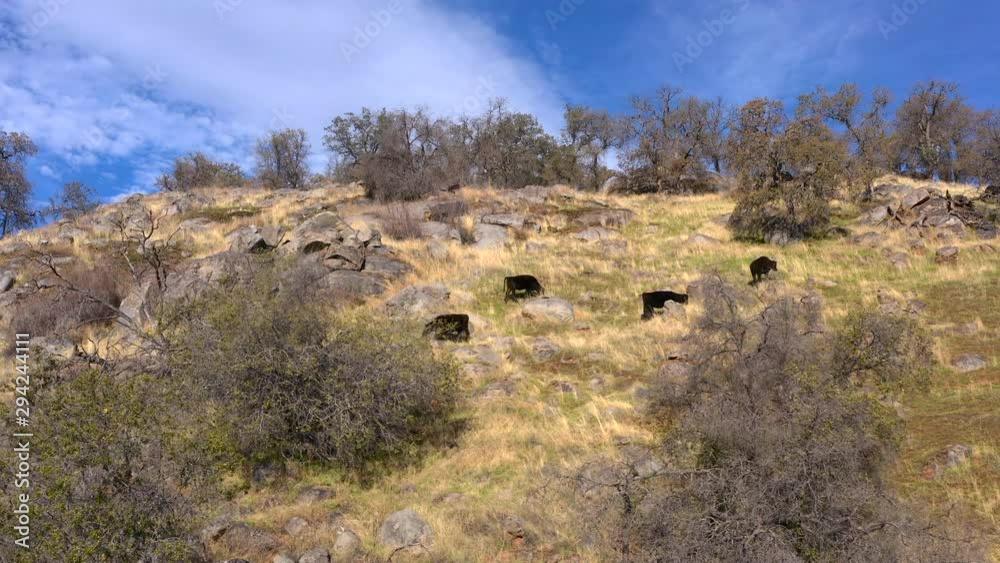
pixel 550 394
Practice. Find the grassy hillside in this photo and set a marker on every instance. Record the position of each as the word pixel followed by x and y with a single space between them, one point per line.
pixel 586 401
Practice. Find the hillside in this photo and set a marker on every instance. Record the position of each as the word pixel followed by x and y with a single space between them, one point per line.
pixel 549 395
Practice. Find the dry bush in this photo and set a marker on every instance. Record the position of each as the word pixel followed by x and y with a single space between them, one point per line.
pixel 291 386
pixel 48 312
pixel 790 437
pixel 399 223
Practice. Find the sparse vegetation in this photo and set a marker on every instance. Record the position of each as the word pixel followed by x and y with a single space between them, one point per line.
pixel 197 170
pixel 282 160
pixel 291 386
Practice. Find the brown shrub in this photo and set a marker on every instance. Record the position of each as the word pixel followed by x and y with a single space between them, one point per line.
pixel 400 224
pixel 56 310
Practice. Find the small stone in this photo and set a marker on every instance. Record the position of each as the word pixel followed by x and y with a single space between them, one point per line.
pixel 313 495
pixel 969 362
pixel 346 546
pixel 315 555
pixel 296 526
pixel 947 255
pixel 543 349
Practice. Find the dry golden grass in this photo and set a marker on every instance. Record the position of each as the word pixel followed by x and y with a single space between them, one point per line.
pixel 513 444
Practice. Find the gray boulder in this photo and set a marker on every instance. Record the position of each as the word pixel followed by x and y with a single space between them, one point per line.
pixel 947 255
pixel 509 220
pixel 405 529
pixel 969 362
pixel 315 555
pixel 254 239
pixel 296 526
pixel 608 218
pixel 543 349
pixel 490 236
pixel 593 234
pixel 419 300
pixel 549 309
pixel 7 280
pixel 439 231
pixel 346 546
pixel 699 239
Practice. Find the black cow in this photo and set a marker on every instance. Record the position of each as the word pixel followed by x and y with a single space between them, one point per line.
pixel 762 267
pixel 527 286
pixel 452 328
pixel 657 300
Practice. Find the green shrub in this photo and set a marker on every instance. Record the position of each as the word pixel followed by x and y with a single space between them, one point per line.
pixel 292 384
pixel 114 476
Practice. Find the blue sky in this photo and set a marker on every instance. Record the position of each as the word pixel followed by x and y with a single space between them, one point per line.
pixel 113 90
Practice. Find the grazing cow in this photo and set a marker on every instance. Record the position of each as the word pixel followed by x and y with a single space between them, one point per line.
pixel 658 300
pixel 451 328
pixel 762 267
pixel 527 286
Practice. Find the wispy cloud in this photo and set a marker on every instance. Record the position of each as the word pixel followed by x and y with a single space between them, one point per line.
pixel 81 84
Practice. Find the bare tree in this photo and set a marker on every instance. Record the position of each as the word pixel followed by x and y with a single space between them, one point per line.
pixel 672 138
pixel 282 159
pixel 15 189
pixel 75 200
pixel 865 128
pixel 590 134
pixel 932 126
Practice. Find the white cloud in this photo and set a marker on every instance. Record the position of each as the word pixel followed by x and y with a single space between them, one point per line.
pixel 49 172
pixel 112 79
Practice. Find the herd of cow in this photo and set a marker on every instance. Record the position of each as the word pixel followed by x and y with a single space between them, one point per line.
pixel 455 328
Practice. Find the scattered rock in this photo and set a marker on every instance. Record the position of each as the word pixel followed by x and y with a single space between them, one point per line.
pixel 550 309
pixel 419 300
pixel 482 355
pixel 535 247
pixel 296 526
pixel 439 231
pixel 543 349
pixel 346 546
pixel 509 220
pixel 314 495
pixel 315 555
pixel 953 457
pixel 405 529
pixel 438 250
pixel 870 239
pixel 968 329
pixel 607 218
pixel 248 541
pixel 703 240
pixel 489 236
pixel 499 390
pixel 899 260
pixel 947 255
pixel 593 234
pixel 254 239
pixel 969 362
pixel 613 246
pixel 283 558
pixel 7 280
